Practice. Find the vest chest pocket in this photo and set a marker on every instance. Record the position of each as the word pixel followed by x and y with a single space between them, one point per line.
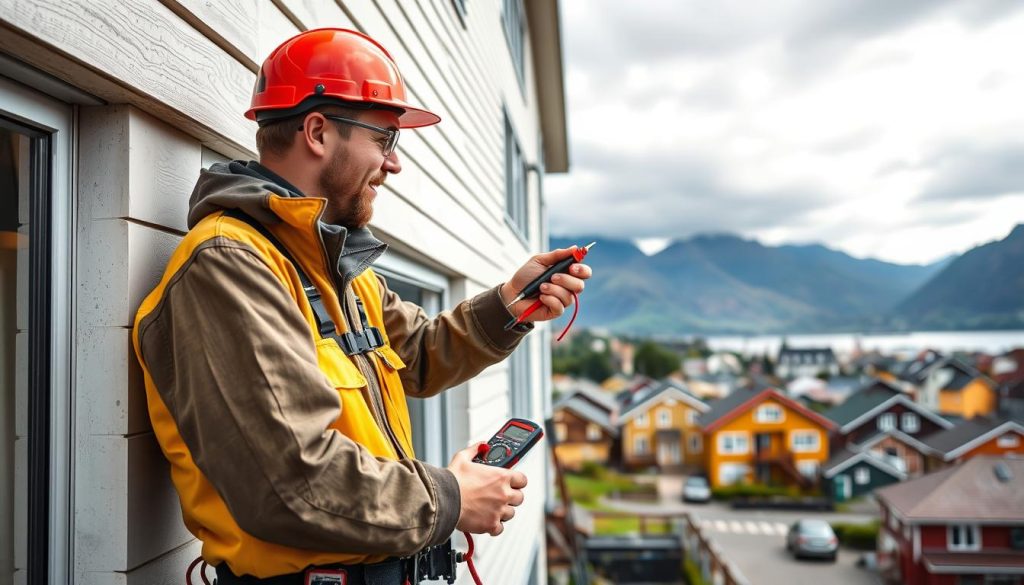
pixel 389 357
pixel 338 368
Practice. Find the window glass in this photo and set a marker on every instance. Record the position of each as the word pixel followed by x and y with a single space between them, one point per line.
pixel 516 206
pixel 513 22
pixel 14 231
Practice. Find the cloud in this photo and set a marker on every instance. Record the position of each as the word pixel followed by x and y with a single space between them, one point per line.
pixel 965 172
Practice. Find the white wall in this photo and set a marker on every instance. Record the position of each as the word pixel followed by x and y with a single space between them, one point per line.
pixel 178 76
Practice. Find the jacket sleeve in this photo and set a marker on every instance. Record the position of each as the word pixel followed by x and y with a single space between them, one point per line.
pixel 454 346
pixel 234 360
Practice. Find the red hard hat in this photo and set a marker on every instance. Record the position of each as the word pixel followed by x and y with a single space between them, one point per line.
pixel 324 65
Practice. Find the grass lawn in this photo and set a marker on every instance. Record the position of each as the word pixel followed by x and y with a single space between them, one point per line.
pixel 587 492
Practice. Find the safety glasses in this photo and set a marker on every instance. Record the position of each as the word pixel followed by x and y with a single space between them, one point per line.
pixel 392 134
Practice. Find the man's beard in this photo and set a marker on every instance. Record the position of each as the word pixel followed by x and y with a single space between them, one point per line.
pixel 353 210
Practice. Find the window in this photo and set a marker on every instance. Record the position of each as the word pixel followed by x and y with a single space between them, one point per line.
pixel 517 212
pixel 807 468
pixel 640 445
pixel 805 441
pixel 561 432
pixel 514 24
pixel 909 422
pixel 730 473
pixel 664 418
pixel 696 443
pixel 862 476
pixel 593 432
pixel 769 413
pixel 460 10
pixel 1008 441
pixel 964 537
pixel 36 138
pixel 641 421
pixel 519 373
pixel 735 443
pixel 887 422
pixel 430 417
pixel 691 417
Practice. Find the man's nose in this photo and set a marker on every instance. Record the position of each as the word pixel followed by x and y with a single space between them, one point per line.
pixel 392 164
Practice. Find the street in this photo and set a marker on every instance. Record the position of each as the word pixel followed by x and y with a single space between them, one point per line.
pixel 753 541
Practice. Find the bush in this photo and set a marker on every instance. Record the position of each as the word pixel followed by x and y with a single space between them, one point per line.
pixel 747 490
pixel 593 470
pixel 857 536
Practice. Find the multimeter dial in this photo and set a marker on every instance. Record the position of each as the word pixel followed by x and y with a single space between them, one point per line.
pixel 497 453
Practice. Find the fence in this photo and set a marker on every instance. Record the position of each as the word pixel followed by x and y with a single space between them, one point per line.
pixel 697 548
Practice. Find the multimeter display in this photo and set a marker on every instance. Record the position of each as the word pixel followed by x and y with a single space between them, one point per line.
pixel 508 445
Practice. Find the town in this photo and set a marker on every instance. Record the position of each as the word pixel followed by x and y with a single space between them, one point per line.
pixel 688 464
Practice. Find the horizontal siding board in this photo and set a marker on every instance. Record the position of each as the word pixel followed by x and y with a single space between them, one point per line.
pixel 274 29
pixel 234 23
pixel 155 525
pixel 145 47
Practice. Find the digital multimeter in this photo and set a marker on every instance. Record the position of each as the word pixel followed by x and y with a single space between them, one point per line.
pixel 508 445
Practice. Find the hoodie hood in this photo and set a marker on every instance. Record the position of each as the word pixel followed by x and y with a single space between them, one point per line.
pixel 248 186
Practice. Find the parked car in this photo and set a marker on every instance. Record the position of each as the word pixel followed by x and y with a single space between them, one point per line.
pixel 696 489
pixel 812 538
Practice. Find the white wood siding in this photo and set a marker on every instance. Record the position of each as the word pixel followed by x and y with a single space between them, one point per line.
pixel 178 75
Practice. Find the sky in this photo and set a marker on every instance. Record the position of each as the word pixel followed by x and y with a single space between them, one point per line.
pixel 890 129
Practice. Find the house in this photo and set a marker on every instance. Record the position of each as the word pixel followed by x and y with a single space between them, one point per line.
pixel 110 110
pixel 1008 366
pixel 955 388
pixel 854 473
pixel 963 524
pixel 711 386
pixel 881 418
pixel 970 438
pixel 658 427
pixel 584 432
pixel 793 362
pixel 765 437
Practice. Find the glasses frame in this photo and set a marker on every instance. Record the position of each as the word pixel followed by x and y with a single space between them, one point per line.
pixel 391 133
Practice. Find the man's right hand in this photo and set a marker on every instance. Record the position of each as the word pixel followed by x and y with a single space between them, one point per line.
pixel 489 494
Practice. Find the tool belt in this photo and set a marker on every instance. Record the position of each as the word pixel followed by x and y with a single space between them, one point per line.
pixel 391 572
pixel 436 562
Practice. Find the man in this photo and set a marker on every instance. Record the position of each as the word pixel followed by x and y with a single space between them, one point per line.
pixel 277 363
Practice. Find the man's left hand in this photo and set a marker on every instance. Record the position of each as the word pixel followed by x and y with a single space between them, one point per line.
pixel 555 295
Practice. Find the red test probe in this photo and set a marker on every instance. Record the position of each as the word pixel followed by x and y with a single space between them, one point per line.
pixel 533 289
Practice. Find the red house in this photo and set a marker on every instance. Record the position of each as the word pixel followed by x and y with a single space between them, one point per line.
pixel 964 524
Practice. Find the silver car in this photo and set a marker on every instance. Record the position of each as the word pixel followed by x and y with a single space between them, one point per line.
pixel 696 489
pixel 812 538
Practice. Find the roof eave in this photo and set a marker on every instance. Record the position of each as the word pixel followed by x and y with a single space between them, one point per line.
pixel 549 75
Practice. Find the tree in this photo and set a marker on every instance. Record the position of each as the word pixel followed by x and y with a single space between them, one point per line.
pixel 655 361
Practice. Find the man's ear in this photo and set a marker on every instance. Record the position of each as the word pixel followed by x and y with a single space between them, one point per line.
pixel 313 133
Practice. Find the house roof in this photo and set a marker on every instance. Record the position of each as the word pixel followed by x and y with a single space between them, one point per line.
pixel 971 491
pixel 916 371
pixel 863 406
pixel 593 393
pixel 847 458
pixel 586 410
pixel 741 400
pixel 811 355
pixel 647 397
pixel 897 434
pixel 1009 562
pixel 1014 389
pixel 968 434
pixel 963 374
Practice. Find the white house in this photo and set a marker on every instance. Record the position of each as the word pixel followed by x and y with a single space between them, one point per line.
pixel 108 111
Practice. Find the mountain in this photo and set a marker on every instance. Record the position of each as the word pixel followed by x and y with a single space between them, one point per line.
pixel 983 288
pixel 726 284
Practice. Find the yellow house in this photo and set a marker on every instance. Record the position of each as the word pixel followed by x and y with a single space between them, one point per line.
pixel 658 427
pixel 764 437
pixel 964 391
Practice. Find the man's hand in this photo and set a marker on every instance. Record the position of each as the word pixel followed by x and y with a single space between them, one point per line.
pixel 556 295
pixel 489 494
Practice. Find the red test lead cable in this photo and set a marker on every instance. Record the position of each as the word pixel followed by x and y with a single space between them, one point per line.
pixel 534 288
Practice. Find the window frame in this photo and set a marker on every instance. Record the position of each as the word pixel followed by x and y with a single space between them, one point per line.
pixel 964 529
pixel 641 445
pixel 735 436
pixel 642 421
pixel 515 37
pixel 795 435
pixel 663 418
pixel 1001 442
pixel 908 417
pixel 52 129
pixel 886 421
pixel 862 476
pixel 696 443
pixel 761 416
pixel 517 183
pixel 593 432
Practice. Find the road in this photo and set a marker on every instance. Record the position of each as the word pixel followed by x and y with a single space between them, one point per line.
pixel 754 542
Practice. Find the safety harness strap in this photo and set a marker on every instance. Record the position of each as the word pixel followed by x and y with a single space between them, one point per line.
pixel 351 342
